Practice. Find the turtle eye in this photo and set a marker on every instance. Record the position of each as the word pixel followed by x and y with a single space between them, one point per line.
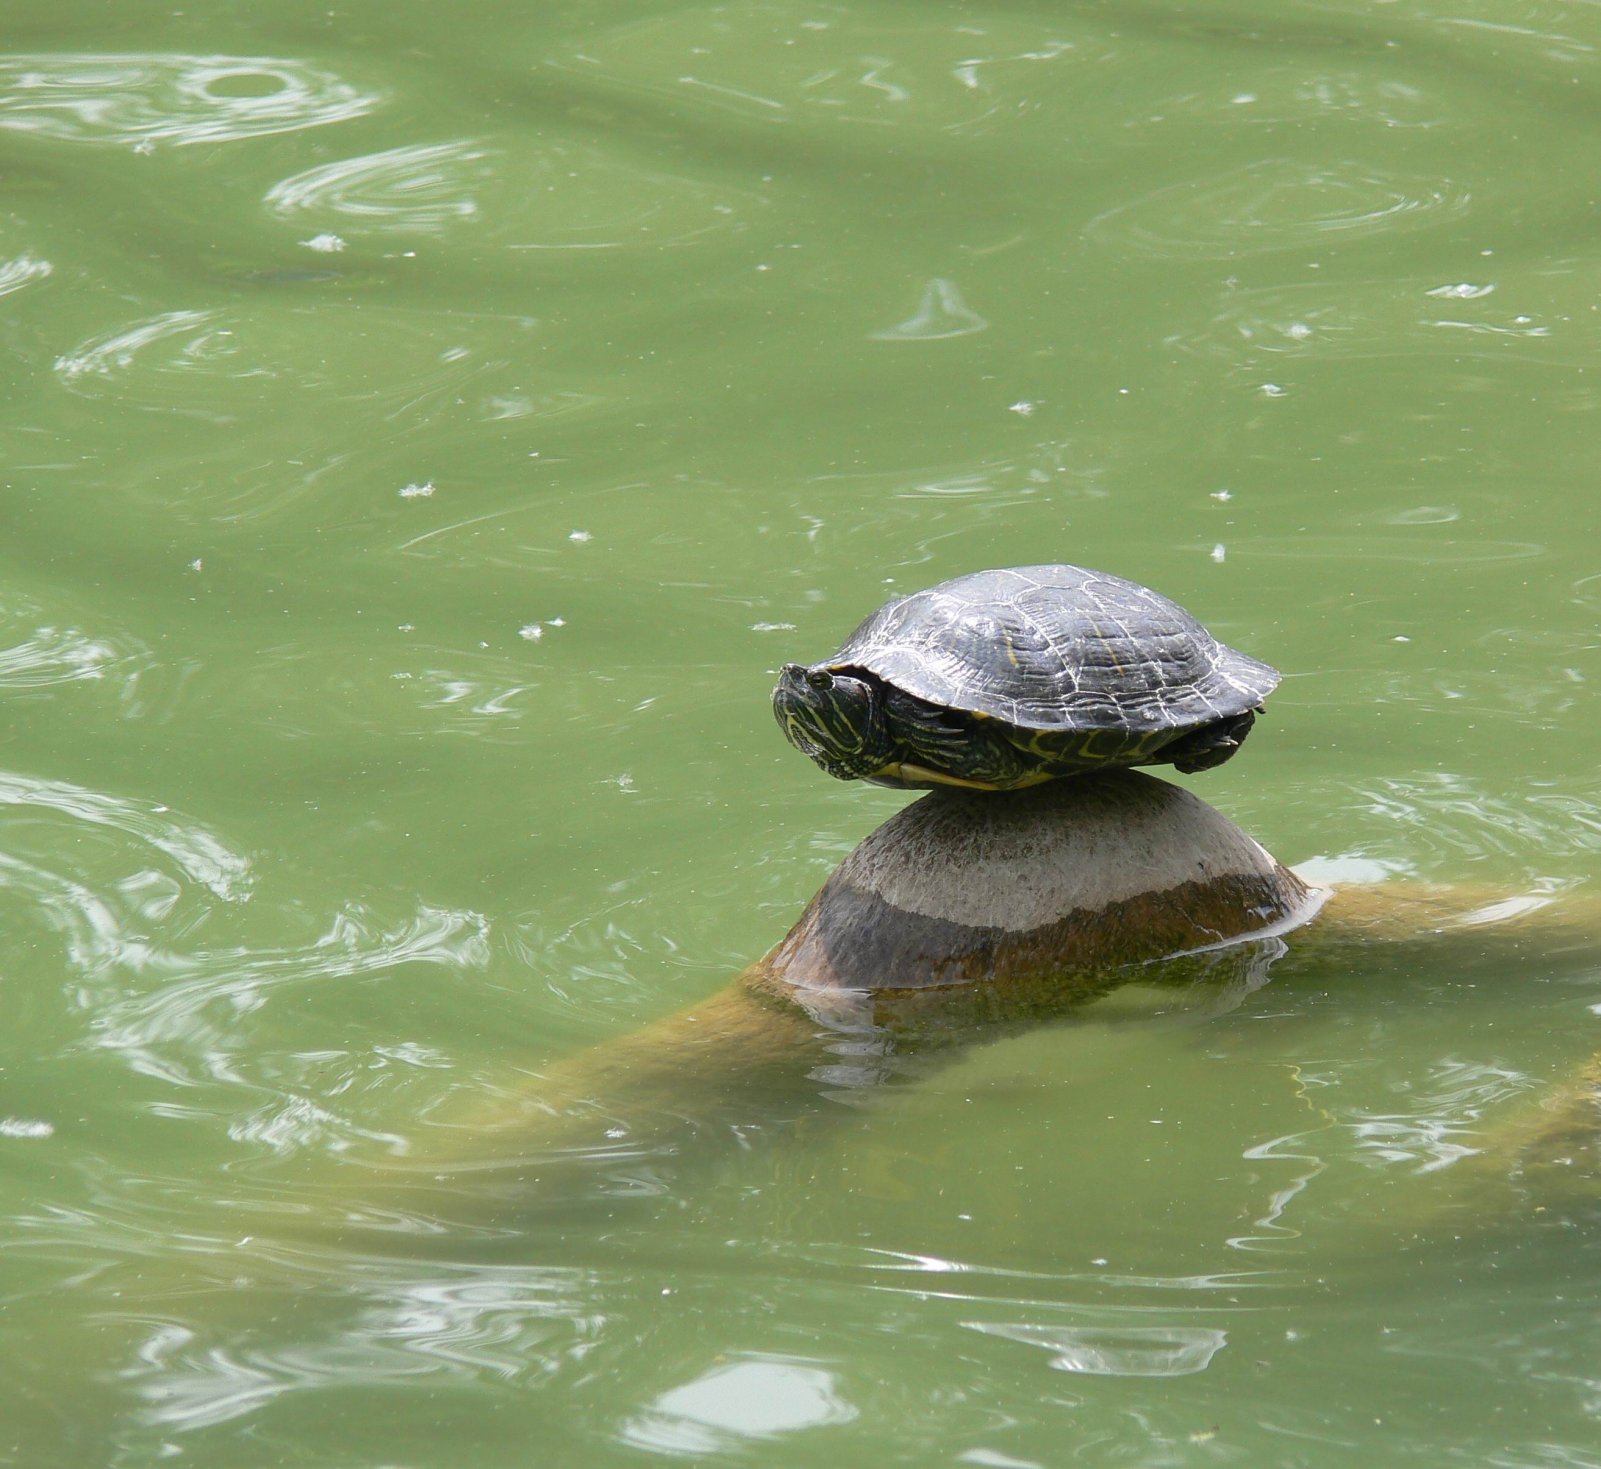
pixel 818 679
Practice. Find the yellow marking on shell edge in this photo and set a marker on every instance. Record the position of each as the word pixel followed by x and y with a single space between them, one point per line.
pixel 902 770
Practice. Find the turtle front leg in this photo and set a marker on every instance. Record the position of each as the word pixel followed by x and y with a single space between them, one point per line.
pixel 942 747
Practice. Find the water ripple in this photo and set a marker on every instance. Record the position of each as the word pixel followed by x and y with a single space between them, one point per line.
pixel 1280 96
pixel 409 367
pixel 416 188
pixel 1260 331
pixel 193 336
pixel 58 655
pixel 129 902
pixel 1116 1351
pixel 838 67
pixel 193 1012
pixel 1435 820
pixel 15 274
pixel 1277 204
pixel 198 855
pixel 514 1323
pixel 149 97
pixel 1437 1130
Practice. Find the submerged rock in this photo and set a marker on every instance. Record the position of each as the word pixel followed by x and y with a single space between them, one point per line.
pixel 968 905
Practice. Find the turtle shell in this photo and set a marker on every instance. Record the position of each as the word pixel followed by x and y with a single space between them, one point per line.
pixel 1059 649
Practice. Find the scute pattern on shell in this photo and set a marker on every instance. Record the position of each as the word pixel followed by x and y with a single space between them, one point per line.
pixel 1057 648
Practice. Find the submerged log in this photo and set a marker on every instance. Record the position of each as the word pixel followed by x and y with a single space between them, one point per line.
pixel 961 910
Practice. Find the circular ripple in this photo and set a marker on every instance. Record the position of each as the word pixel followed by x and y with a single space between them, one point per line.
pixel 419 188
pixel 162 97
pixel 1275 205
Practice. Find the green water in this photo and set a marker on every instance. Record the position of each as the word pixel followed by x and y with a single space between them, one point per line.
pixel 425 431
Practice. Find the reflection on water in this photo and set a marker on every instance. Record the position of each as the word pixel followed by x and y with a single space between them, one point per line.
pixel 46 656
pixel 1116 1351
pixel 153 979
pixel 154 97
pixel 503 1324
pixel 194 854
pixel 744 1400
pixel 1438 1126
pixel 16 273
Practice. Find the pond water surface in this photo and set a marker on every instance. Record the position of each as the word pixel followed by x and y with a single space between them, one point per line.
pixel 426 430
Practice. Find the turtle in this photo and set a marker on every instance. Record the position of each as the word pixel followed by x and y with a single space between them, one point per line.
pixel 1007 678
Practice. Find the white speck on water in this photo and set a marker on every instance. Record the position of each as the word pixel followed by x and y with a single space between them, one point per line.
pixel 532 631
pixel 1123 392
pixel 1222 496
pixel 324 244
pixel 580 536
pixel 1220 552
pixel 25 1127
pixel 1241 98
pixel 1298 331
pixel 1099 1260
pixel 1461 291
pixel 416 492
pixel 1400 638
pixel 772 627
pixel 1272 390
pixel 197 564
pixel 407 627
pixel 1022 408
pixel 624 782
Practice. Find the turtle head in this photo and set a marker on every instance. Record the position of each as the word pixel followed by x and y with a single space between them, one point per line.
pixel 835 717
